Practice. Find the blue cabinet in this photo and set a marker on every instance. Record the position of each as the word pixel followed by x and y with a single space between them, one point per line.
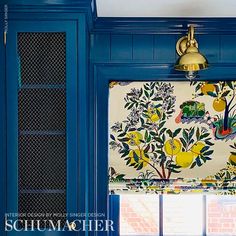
pixel 41 119
pixel 45 74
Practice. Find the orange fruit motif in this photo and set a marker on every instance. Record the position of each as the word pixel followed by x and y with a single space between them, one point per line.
pixel 219 104
pixel 205 88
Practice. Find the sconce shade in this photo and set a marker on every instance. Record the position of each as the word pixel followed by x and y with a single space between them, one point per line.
pixel 191 60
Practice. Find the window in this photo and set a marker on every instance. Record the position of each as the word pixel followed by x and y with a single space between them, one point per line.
pixel 180 215
pixel 221 215
pixel 162 141
pixel 139 215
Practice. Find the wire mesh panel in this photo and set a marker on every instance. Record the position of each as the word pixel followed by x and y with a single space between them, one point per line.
pixel 42 158
pixel 42 109
pixel 42 162
pixel 42 58
pixel 37 204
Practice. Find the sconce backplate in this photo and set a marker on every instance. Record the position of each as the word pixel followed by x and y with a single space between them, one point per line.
pixel 181 45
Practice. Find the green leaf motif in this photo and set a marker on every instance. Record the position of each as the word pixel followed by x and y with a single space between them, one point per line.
pixel 125 154
pixel 208 153
pixel 146 135
pixel 176 132
pixel 204 149
pixel 212 94
pixel 185 134
pixel 125 145
pixel 146 94
pixel 183 142
pixel 193 165
pixel 140 166
pixel 229 83
pixel 124 139
pixel 147 148
pixel 198 161
pixel 136 157
pixel 224 94
pixel 169 132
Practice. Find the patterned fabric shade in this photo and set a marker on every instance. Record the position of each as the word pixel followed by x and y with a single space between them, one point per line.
pixel 172 137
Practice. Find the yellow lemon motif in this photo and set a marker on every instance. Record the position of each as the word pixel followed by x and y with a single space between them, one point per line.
pixel 152 114
pixel 172 146
pixel 154 118
pixel 205 88
pixel 142 158
pixel 184 159
pixel 219 104
pixel 197 147
pixel 232 159
pixel 135 138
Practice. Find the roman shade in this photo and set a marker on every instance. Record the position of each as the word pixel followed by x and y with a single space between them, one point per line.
pixel 172 137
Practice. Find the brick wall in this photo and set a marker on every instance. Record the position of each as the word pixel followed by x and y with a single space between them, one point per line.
pixel 182 215
pixel 221 216
pixel 139 215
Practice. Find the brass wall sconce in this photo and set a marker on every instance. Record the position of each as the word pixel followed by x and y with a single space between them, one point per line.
pixel 190 60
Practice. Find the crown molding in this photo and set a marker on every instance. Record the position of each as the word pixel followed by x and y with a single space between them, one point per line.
pixel 165 25
pixel 75 6
pixel 26 8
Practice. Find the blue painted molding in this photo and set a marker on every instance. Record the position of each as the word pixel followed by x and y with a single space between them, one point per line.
pixel 162 25
pixel 82 111
pixel 76 3
pixel 157 48
pixel 3 120
pixel 145 71
pixel 114 214
pixel 29 7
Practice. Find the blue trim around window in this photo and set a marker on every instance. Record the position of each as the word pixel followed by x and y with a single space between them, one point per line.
pixel 160 215
pixel 114 214
pixel 102 74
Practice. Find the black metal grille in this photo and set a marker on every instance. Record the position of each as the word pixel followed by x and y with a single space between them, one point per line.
pixel 42 58
pixel 35 206
pixel 42 109
pixel 42 162
pixel 42 159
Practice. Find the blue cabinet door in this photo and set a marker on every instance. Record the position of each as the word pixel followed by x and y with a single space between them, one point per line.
pixel 41 124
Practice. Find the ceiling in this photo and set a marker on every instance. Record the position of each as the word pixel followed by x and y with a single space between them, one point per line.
pixel 166 8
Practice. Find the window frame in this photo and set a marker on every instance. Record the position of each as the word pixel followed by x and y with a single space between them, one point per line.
pixel 160 199
pixel 99 88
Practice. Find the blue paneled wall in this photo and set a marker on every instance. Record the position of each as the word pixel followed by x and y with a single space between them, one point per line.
pixel 127 49
pixel 157 48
